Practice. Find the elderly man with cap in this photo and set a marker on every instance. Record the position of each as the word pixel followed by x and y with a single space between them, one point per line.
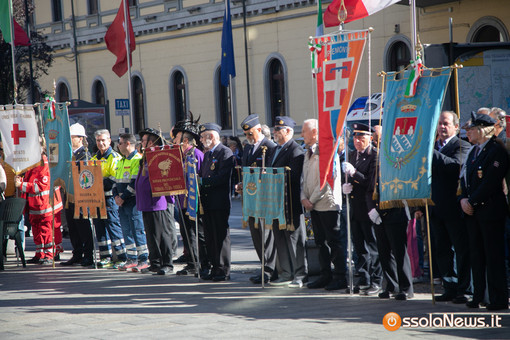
pixel 157 213
pixel 80 232
pixel 359 170
pixel 187 134
pixel 290 242
pixel 484 205
pixel 254 156
pixel 215 175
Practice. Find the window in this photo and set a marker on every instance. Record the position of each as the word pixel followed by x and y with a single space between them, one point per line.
pixel 98 93
pixel 179 96
pixel 138 104
pixel 62 93
pixel 276 89
pixel 397 53
pixel 225 109
pixel 57 10
pixel 488 29
pixel 132 3
pixel 92 7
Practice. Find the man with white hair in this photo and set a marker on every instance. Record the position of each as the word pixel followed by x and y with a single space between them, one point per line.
pixel 80 232
pixel 500 126
pixel 324 206
pixel 215 175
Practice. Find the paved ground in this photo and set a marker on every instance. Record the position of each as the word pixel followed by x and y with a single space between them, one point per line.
pixel 67 303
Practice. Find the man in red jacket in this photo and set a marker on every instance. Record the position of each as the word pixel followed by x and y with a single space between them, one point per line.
pixel 36 185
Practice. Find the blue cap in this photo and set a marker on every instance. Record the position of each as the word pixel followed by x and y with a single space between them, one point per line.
pixel 361 129
pixel 479 119
pixel 250 122
pixel 209 127
pixel 284 121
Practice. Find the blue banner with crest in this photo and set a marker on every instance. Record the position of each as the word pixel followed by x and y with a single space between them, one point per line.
pixel 264 195
pixel 408 135
pixel 192 185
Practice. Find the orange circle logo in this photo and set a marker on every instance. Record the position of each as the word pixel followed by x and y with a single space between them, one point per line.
pixel 392 321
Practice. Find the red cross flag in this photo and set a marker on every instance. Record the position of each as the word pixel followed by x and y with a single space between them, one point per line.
pixel 20 137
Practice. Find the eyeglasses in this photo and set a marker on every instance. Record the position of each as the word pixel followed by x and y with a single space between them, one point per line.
pixel 278 128
pixel 248 133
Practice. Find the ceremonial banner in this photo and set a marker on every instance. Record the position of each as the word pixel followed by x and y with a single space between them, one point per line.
pixel 88 189
pixel 20 137
pixel 166 173
pixel 58 143
pixel 191 179
pixel 408 135
pixel 337 59
pixel 264 196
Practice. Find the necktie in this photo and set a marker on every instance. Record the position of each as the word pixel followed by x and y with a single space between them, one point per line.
pixel 310 153
pixel 277 151
pixel 476 152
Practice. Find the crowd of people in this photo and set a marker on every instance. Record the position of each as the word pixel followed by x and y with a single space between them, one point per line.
pixel 468 218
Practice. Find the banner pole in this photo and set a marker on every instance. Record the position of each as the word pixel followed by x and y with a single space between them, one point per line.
pixel 92 226
pixel 430 254
pixel 349 241
pixel 197 214
pixel 262 225
pixel 128 56
pixel 13 46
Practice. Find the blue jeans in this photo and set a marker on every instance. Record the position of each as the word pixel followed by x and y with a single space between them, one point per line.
pixel 109 231
pixel 131 221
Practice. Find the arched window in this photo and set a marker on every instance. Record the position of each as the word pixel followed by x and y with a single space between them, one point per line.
pixel 488 29
pixel 56 6
pixel 98 93
pixel 92 7
pixel 277 89
pixel 138 104
pixel 225 109
pixel 397 53
pixel 179 96
pixel 62 92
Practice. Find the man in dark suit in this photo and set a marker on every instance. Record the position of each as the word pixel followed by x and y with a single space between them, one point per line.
pixel 361 163
pixel 215 175
pixel 448 226
pixel 254 156
pixel 290 243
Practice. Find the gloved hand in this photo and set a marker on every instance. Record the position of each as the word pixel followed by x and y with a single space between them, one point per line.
pixel 374 216
pixel 348 168
pixel 347 188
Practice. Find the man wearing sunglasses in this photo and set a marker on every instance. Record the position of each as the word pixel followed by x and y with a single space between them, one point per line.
pixel 253 156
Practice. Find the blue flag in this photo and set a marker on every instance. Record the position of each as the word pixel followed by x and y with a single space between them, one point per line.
pixel 264 196
pixel 228 67
pixel 192 187
pixel 58 143
pixel 408 135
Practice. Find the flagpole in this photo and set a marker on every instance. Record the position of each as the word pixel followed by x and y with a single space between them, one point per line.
pixel 412 6
pixel 231 104
pixel 128 56
pixel 11 23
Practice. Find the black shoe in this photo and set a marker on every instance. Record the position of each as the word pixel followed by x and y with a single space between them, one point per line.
pixel 373 290
pixel 208 276
pixel 473 304
pixel 33 260
pixel 321 282
pixel 403 296
pixel 444 297
pixel 355 290
pixel 336 285
pixel 461 299
pixel 182 259
pixel 71 261
pixel 165 270
pixel 57 258
pixel 384 294
pixel 258 280
pixel 87 262
pixel 44 261
pixel 219 278
pixel 188 269
pixel 494 306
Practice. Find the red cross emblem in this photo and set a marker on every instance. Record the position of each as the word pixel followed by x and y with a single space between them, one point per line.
pixel 16 133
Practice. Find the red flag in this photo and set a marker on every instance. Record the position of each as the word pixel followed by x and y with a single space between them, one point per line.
pixel 20 37
pixel 115 39
pixel 356 9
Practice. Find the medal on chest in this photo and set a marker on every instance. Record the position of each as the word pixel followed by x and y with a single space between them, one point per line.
pixel 213 165
pixel 480 173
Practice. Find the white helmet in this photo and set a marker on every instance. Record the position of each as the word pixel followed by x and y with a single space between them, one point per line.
pixel 77 130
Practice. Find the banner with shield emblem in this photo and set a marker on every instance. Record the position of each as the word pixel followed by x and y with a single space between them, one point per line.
pixel 88 189
pixel 408 135
pixel 264 196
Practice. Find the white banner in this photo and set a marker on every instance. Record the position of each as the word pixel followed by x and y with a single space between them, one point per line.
pixel 20 137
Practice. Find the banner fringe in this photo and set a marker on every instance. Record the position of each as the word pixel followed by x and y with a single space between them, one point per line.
pixel 383 205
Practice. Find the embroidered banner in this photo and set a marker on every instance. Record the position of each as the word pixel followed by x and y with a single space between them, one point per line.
pixel 337 58
pixel 191 179
pixel 88 189
pixel 20 137
pixel 264 196
pixel 58 144
pixel 166 173
pixel 408 135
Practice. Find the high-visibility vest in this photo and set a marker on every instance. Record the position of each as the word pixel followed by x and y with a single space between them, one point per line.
pixel 127 171
pixel 108 167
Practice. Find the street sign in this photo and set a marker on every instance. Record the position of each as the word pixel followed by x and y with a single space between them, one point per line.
pixel 122 107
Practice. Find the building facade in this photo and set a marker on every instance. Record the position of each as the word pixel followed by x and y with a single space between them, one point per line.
pixel 176 64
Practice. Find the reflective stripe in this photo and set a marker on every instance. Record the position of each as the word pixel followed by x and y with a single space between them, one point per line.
pixel 131 246
pixel 37 246
pixel 131 252
pixel 42 193
pixel 118 242
pixel 131 190
pixel 123 180
pixel 108 193
pixel 59 205
pixel 120 251
pixel 36 188
pixel 40 212
pixel 104 252
pixel 142 248
pixel 24 187
pixel 38 251
pixel 103 243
